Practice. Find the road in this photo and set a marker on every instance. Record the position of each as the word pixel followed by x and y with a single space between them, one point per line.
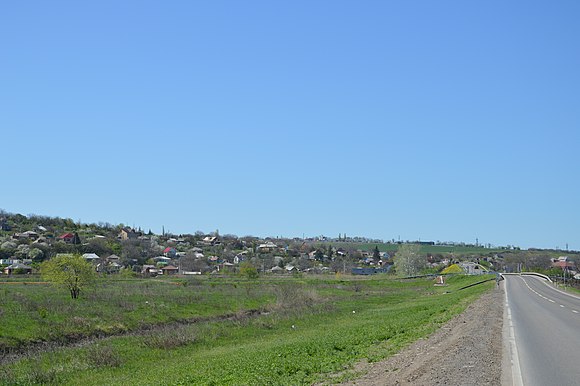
pixel 546 332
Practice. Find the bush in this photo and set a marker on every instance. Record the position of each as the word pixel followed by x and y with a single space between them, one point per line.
pixel 248 270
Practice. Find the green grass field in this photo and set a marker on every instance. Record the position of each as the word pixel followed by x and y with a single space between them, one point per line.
pixel 311 329
pixel 425 249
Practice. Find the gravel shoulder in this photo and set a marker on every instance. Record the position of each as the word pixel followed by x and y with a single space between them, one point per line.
pixel 467 350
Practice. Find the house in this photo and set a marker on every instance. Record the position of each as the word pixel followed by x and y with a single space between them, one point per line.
pixel 564 263
pixel 113 258
pixel 277 269
pixel 210 240
pixel 170 252
pixel 169 270
pixel 91 256
pixel 109 267
pixel 150 270
pixel 27 235
pixel 162 260
pixel 267 247
pixel 128 234
pixel 240 257
pixel 471 268
pixel 9 261
pixel 17 268
pixel 41 240
pixel 227 267
pixel 68 238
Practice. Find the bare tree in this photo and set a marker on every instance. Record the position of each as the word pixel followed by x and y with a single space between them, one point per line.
pixel 408 261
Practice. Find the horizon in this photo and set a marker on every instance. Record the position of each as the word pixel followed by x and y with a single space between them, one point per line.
pixel 422 121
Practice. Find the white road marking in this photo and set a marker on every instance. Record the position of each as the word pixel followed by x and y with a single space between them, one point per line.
pixel 517 379
pixel 574 311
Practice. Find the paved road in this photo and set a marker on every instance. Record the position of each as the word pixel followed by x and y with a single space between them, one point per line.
pixel 546 326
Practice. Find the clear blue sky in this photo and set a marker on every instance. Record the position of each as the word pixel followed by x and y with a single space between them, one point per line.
pixel 431 120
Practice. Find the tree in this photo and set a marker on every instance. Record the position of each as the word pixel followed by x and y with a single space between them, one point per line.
pixel 35 254
pixel 76 239
pixel 408 261
pixel 342 264
pixel 248 270
pixel 69 271
pixel 376 254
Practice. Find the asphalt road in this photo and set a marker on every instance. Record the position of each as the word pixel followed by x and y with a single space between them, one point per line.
pixel 546 328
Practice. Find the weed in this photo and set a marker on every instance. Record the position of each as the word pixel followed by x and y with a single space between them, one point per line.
pixel 170 338
pixel 40 375
pixel 293 296
pixel 42 312
pixel 103 355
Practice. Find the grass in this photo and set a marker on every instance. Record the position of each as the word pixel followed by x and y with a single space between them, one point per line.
pixel 425 249
pixel 33 313
pixel 313 329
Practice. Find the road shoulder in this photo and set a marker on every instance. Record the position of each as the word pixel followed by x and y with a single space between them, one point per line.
pixel 467 350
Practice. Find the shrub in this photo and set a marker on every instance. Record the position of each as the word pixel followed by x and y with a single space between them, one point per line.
pixel 248 270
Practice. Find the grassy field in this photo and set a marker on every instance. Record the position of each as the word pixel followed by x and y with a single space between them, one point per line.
pixel 311 329
pixel 40 312
pixel 425 249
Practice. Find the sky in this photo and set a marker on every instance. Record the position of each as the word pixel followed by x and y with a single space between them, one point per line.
pixel 418 120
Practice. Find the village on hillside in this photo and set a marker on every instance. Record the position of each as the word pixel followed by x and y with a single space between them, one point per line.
pixel 27 241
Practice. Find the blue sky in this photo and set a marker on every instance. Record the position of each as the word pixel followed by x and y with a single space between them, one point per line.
pixel 447 120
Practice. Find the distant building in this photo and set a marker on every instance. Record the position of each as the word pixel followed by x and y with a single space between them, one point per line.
pixel 170 252
pixel 267 247
pixel 17 268
pixel 91 257
pixel 129 234
pixel 69 238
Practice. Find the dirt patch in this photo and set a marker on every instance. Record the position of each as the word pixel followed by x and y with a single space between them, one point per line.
pixel 465 351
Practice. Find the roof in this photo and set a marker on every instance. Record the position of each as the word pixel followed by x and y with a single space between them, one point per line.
pixel 91 256
pixel 66 236
pixel 18 266
pixel 269 244
pixel 170 268
pixel 563 264
pixel 168 249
